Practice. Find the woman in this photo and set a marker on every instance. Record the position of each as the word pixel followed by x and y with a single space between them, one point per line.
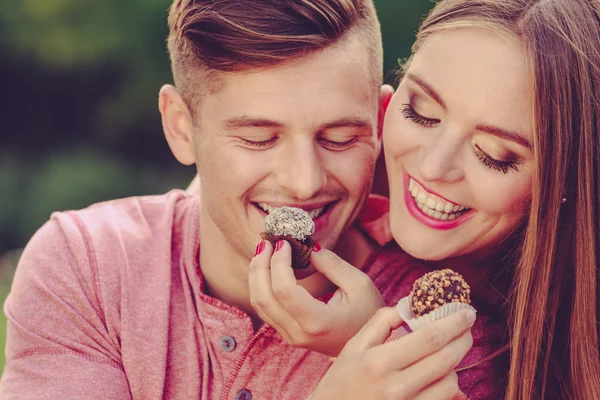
pixel 491 144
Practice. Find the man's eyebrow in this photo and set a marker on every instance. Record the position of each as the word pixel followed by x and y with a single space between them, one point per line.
pixel 504 134
pixel 352 122
pixel 427 89
pixel 248 122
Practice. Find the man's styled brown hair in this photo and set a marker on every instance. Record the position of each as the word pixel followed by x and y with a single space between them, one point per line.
pixel 211 36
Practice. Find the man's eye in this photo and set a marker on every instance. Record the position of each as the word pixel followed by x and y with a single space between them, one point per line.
pixel 336 146
pixel 259 143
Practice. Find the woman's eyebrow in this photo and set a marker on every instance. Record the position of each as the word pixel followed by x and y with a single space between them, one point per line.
pixel 504 134
pixel 427 89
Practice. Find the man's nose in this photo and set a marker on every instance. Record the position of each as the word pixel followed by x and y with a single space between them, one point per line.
pixel 440 160
pixel 300 171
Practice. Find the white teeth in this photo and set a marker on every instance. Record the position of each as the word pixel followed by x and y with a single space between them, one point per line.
pixel 314 213
pixel 266 208
pixel 434 206
pixel 431 203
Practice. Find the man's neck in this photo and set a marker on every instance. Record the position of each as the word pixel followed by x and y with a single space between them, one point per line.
pixel 224 271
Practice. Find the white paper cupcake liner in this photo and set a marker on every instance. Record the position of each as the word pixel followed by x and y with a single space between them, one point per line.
pixel 405 310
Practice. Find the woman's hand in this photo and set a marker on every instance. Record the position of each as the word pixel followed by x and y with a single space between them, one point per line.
pixel 417 366
pixel 301 319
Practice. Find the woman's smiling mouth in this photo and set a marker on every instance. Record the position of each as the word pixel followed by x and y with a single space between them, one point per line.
pixel 433 210
pixel 434 206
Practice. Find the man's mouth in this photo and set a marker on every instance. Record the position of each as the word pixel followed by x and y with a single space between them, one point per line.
pixel 314 212
pixel 434 206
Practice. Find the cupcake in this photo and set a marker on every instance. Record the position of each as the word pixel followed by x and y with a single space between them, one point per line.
pixel 435 295
pixel 295 226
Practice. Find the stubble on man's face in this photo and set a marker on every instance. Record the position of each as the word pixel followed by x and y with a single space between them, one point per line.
pixel 301 134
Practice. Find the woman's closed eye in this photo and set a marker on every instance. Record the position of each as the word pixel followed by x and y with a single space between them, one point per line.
pixel 409 113
pixel 497 165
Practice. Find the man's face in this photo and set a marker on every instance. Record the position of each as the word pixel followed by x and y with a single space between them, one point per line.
pixel 303 135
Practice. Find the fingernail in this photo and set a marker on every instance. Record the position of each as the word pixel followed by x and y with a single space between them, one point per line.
pixel 317 247
pixel 278 245
pixel 471 317
pixel 259 248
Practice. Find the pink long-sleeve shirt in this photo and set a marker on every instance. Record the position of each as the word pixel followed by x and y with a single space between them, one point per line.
pixel 108 303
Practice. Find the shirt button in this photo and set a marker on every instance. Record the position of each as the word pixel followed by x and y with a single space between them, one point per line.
pixel 244 395
pixel 228 343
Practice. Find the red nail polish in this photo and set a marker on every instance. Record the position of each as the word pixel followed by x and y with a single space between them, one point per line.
pixel 278 245
pixel 317 247
pixel 259 248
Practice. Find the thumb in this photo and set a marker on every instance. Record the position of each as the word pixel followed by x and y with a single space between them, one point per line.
pixel 342 274
pixel 376 330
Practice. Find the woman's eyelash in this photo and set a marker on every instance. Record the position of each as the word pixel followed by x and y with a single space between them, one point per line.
pixel 501 166
pixel 409 113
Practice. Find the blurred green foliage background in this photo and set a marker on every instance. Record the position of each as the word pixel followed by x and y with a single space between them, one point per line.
pixel 78 119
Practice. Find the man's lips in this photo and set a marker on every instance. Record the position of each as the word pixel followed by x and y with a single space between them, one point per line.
pixel 319 212
pixel 315 210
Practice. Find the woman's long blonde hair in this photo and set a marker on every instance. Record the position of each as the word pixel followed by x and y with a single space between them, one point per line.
pixel 554 300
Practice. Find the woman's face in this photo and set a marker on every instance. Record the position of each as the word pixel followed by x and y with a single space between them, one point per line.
pixel 458 139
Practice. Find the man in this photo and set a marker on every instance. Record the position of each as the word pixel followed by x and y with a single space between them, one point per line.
pixel 277 103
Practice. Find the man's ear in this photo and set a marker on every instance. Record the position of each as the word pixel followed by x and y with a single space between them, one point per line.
pixel 178 124
pixel 385 96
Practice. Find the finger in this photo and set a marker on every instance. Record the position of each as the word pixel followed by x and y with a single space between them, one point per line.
pixel 444 389
pixel 426 341
pixel 344 275
pixel 283 281
pixel 376 330
pixel 261 295
pixel 431 369
pixel 296 300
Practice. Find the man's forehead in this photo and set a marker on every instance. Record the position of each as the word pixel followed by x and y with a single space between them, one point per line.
pixel 316 89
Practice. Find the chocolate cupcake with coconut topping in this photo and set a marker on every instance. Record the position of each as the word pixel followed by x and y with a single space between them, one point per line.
pixel 295 226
